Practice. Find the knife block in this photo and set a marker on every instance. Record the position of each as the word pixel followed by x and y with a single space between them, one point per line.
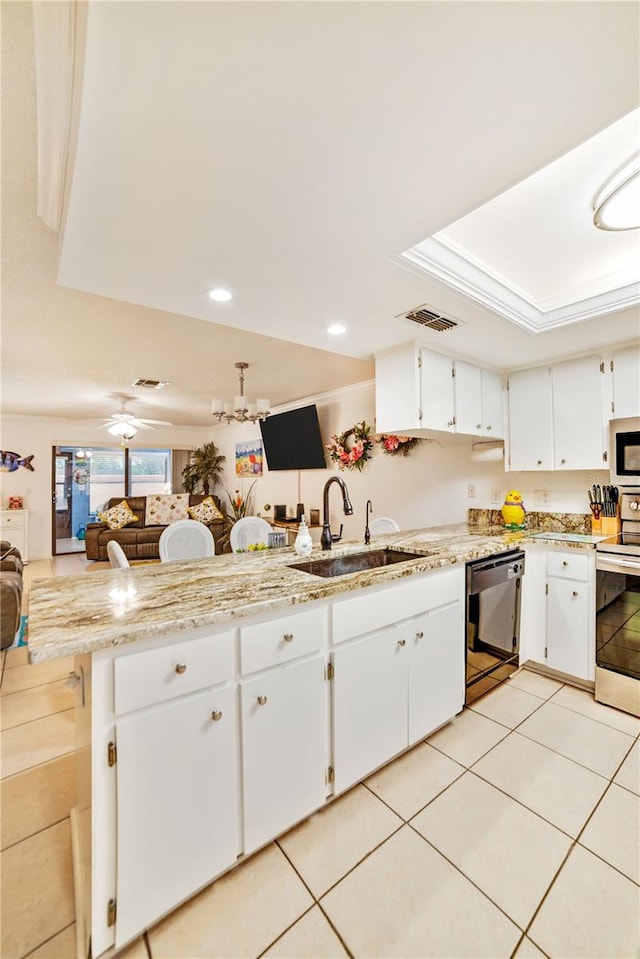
pixel 609 525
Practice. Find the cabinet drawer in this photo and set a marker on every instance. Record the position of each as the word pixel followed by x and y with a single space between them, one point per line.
pixel 10 521
pixel 281 640
pixel 569 565
pixel 156 675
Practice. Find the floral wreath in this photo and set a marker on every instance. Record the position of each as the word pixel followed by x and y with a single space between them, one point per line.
pixel 351 449
pixel 397 445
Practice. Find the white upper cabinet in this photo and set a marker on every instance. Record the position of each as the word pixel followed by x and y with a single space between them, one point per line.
pixel 578 414
pixel 420 390
pixel 625 370
pixel 478 401
pixel 530 420
pixel 437 406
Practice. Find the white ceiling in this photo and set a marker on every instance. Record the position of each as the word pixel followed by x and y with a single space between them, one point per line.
pixel 290 152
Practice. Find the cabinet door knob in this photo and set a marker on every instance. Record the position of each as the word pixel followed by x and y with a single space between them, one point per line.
pixel 402 642
pixel 420 635
pixel 181 668
pixel 539 462
pixel 262 700
pixel 449 422
pixel 563 461
pixel 565 562
pixel 575 593
pixel 288 637
pixel 479 426
pixel 216 715
pixel 489 426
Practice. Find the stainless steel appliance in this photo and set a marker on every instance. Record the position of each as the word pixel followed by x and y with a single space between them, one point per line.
pixel 618 611
pixel 493 621
pixel 624 437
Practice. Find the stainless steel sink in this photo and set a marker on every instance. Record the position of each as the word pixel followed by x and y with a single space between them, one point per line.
pixel 354 562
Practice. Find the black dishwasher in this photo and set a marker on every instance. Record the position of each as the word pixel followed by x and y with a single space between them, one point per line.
pixel 492 621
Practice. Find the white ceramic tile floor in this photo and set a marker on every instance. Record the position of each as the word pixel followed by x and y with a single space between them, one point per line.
pixel 485 852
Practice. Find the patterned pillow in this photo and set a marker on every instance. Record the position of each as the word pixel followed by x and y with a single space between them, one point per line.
pixel 118 516
pixel 163 510
pixel 205 512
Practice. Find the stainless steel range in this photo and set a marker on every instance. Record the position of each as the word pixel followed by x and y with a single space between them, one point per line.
pixel 618 611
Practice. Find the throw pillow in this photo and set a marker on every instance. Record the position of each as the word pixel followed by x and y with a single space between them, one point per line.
pixel 118 516
pixel 205 512
pixel 164 510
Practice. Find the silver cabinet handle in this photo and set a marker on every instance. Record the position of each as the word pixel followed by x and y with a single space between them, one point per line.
pixel 420 635
pixel 216 715
pixel 479 426
pixel 288 637
pixel 402 642
pixel 181 668
pixel 262 700
pixel 489 426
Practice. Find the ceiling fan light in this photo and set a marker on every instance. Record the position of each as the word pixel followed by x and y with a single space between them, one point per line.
pixel 125 430
pixel 616 205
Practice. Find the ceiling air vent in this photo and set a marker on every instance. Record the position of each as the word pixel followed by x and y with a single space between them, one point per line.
pixel 426 317
pixel 150 384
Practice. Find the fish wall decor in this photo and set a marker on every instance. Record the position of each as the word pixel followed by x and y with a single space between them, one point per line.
pixel 9 462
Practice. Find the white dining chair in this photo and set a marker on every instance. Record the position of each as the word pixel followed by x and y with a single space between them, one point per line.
pixel 249 530
pixel 186 539
pixel 383 524
pixel 116 554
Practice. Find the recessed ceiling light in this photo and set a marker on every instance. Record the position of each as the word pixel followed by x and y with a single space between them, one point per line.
pixel 336 329
pixel 220 295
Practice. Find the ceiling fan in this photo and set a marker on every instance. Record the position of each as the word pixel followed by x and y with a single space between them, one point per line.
pixel 126 425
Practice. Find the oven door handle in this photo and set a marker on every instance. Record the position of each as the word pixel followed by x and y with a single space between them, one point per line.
pixel 609 564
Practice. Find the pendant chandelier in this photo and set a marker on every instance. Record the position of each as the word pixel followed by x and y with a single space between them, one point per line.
pixel 242 410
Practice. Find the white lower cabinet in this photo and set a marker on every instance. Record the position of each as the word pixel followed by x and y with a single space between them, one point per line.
pixel 283 748
pixel 369 704
pixel 571 613
pixel 177 803
pixel 393 687
pixel 436 669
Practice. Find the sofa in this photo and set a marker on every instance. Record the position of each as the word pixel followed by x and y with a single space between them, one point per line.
pixel 10 593
pixel 138 540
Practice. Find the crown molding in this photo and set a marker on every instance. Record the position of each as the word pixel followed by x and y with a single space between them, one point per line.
pixel 452 269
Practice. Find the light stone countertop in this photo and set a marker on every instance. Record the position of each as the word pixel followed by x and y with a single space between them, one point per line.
pixel 81 614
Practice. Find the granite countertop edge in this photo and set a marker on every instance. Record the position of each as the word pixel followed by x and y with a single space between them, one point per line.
pixel 75 615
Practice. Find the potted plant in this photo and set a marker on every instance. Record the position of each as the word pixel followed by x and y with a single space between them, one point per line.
pixel 204 470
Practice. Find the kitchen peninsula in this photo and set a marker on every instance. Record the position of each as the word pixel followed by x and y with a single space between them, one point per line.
pixel 221 701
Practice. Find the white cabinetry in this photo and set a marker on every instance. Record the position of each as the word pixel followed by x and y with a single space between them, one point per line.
pixel 578 414
pixel 478 401
pixel 556 417
pixel 530 420
pixel 397 684
pixel 416 390
pixel 14 527
pixel 570 613
pixel 625 371
pixel 177 782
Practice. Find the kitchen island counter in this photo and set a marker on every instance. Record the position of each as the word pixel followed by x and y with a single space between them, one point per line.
pixel 81 614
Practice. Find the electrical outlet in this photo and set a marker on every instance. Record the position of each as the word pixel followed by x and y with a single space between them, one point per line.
pixel 496 498
pixel 541 497
pixel 471 490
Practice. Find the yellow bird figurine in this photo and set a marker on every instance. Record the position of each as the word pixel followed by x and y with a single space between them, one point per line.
pixel 513 511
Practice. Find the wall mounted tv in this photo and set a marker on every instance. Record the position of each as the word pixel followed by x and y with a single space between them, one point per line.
pixel 292 440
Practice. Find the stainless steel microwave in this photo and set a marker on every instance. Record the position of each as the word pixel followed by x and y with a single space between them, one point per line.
pixel 625 451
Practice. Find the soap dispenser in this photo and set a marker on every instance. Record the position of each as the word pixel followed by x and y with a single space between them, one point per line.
pixel 303 544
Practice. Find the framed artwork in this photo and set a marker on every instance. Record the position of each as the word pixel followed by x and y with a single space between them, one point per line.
pixel 249 458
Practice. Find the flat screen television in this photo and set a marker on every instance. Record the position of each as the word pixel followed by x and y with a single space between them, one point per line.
pixel 292 440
